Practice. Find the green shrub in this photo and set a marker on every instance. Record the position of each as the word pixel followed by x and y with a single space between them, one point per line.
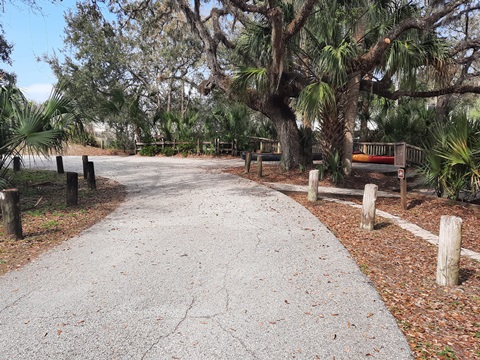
pixel 333 164
pixel 321 172
pixel 186 149
pixel 149 150
pixel 453 159
pixel 208 150
pixel 168 151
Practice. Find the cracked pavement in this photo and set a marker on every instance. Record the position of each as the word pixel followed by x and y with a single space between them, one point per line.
pixel 196 264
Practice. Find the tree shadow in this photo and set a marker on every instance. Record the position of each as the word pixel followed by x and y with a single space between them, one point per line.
pixel 415 202
pixel 465 274
pixel 382 225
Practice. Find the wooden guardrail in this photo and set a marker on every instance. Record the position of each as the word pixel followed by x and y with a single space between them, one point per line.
pixel 415 154
pixel 264 145
pixel 216 147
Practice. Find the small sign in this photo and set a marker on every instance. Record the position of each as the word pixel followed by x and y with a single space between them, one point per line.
pixel 401 173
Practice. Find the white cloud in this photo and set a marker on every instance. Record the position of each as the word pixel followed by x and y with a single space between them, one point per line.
pixel 37 92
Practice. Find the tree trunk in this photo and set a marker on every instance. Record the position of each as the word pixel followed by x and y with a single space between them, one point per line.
pixel 364 117
pixel 332 134
pixel 442 107
pixel 351 105
pixel 284 120
pixel 307 140
pixel 292 152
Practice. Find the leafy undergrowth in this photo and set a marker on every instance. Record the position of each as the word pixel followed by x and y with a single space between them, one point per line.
pixel 46 220
pixel 439 322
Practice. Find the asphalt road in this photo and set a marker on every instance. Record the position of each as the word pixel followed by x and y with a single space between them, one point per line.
pixel 196 264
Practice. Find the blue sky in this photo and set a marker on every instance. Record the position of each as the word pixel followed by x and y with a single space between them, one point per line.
pixel 34 34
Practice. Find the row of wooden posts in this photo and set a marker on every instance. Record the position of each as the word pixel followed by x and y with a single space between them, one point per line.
pixel 450 238
pixel 10 198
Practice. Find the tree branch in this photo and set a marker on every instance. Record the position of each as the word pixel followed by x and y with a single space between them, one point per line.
pixel 374 56
pixel 297 23
pixel 275 16
pixel 209 42
pixel 219 34
pixel 242 5
pixel 380 89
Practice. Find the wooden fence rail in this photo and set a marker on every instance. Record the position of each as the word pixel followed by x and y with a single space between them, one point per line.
pixel 264 145
pixel 218 147
pixel 415 154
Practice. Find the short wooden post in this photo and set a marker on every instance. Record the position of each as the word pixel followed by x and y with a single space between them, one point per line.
pixel 198 147
pixel 248 161
pixel 91 175
pixel 403 190
pixel 85 162
pixel 12 217
pixel 16 163
pixel 60 169
pixel 449 248
pixel 259 166
pixel 313 185
pixel 72 188
pixel 368 207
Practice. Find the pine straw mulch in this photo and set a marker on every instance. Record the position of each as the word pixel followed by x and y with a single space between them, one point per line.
pixel 439 322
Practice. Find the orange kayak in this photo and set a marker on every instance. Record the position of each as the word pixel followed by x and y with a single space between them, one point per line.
pixel 375 159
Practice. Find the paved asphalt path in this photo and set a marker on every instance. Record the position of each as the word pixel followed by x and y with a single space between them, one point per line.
pixel 196 264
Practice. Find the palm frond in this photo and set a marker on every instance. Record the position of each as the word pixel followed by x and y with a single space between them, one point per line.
pixel 334 62
pixel 249 77
pixel 315 98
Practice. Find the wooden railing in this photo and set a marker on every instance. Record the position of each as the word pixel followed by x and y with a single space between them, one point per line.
pixel 263 145
pixel 415 154
pixel 217 147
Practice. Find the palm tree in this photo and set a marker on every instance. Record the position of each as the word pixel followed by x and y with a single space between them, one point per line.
pixel 407 121
pixel 36 129
pixel 340 39
pixel 453 159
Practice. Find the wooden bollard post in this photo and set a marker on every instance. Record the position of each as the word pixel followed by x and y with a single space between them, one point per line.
pixel 248 161
pixel 85 169
pixel 72 188
pixel 313 185
pixel 403 190
pixel 368 207
pixel 449 248
pixel 91 175
pixel 259 166
pixel 12 217
pixel 60 169
pixel 16 163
